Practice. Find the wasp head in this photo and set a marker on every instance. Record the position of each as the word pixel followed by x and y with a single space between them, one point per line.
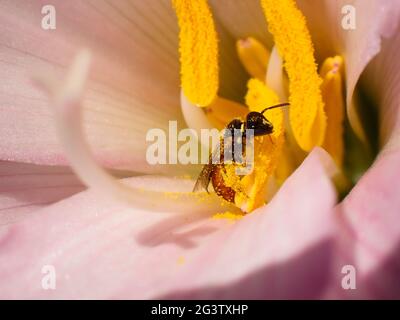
pixel 260 124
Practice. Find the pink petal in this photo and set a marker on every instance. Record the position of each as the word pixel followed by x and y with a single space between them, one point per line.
pixel 134 84
pixel 372 210
pixel 25 188
pixel 382 83
pixel 369 232
pixel 101 249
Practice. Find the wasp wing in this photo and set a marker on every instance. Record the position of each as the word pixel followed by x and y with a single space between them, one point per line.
pixel 205 175
pixel 204 178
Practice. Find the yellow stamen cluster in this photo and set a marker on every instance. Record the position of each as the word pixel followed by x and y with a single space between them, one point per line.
pixel 314 98
pixel 288 27
pixel 198 47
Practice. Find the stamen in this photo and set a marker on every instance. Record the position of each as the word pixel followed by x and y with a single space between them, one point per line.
pixel 222 111
pixel 260 96
pixel 291 155
pixel 254 57
pixel 288 26
pixel 198 48
pixel 332 93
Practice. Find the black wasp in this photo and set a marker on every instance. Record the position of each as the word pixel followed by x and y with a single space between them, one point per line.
pixel 213 171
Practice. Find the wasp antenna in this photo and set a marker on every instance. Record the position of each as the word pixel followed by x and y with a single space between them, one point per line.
pixel 276 106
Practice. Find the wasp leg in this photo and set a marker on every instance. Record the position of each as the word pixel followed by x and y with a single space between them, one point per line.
pixel 272 141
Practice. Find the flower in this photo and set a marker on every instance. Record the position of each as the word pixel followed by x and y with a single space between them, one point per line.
pixel 103 248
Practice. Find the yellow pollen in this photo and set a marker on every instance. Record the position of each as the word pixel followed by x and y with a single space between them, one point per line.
pixel 198 48
pixel 254 57
pixel 181 260
pixel 332 93
pixel 231 216
pixel 292 38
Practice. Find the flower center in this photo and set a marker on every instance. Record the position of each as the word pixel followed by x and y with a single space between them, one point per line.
pixel 316 112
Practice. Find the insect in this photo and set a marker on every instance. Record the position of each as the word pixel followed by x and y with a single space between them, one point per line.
pixel 214 171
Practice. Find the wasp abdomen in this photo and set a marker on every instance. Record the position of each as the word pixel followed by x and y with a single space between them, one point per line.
pixel 219 185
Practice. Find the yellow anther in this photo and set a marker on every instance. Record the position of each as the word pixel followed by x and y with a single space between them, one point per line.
pixel 267 149
pixel 259 96
pixel 331 64
pixel 292 38
pixel 198 48
pixel 254 57
pixel 332 93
